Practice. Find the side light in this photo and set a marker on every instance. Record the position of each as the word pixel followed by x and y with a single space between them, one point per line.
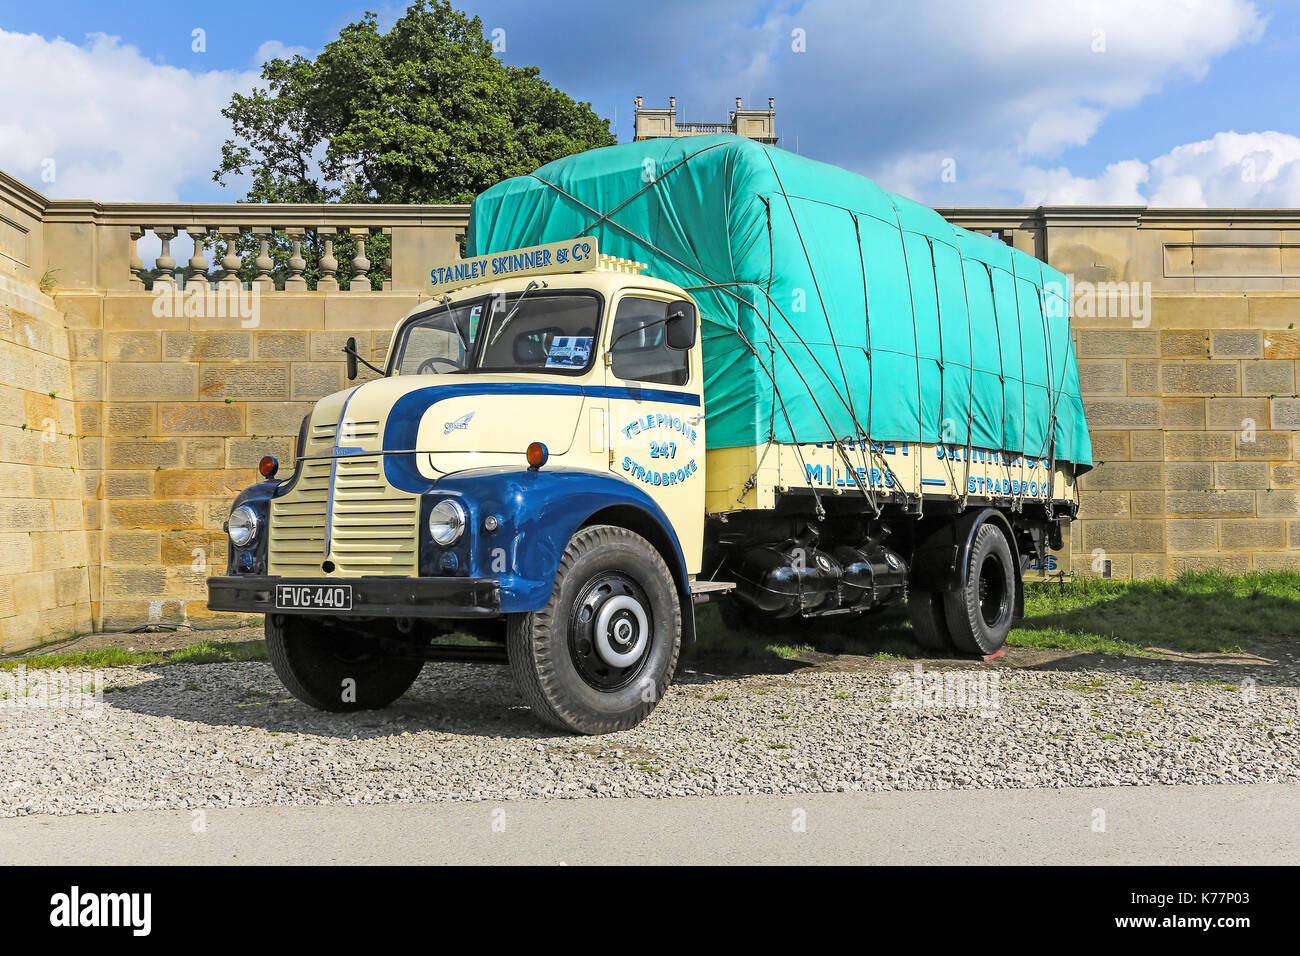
pixel 268 466
pixel 536 455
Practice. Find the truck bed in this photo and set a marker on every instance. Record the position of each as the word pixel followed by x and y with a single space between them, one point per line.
pixel 752 477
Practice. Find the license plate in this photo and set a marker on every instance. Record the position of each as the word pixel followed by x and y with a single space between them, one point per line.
pixel 315 597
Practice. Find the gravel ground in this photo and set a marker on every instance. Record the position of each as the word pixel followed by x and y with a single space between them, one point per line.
pixel 179 736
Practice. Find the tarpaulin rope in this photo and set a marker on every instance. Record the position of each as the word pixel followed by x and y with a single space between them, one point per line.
pixel 862 434
pixel 812 395
pixel 843 387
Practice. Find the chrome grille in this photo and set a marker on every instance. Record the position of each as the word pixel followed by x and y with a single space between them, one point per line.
pixel 372 526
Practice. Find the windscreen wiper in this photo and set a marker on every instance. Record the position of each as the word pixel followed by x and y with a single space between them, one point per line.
pixel 514 311
pixel 464 342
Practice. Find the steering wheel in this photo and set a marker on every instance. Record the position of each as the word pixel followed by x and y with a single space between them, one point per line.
pixel 427 364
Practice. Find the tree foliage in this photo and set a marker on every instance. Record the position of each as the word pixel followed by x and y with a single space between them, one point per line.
pixel 424 113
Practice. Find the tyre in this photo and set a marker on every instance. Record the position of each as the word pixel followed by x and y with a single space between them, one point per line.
pixel 335 669
pixel 979 615
pixel 925 608
pixel 601 653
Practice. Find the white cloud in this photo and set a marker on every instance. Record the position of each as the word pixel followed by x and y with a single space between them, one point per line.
pixel 109 123
pixel 1119 185
pixel 274 49
pixel 1228 170
pixel 996 90
pixel 886 88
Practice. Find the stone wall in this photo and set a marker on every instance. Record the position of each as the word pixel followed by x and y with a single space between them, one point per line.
pixel 48 564
pixel 1187 330
pixel 174 414
pixel 1194 425
pixel 124 433
pixel 126 428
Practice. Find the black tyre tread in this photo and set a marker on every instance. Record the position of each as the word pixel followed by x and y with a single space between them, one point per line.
pixel 531 660
pixel 307 676
pixel 966 626
pixel 929 623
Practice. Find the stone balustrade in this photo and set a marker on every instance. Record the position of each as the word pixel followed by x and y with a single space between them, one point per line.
pixel 96 245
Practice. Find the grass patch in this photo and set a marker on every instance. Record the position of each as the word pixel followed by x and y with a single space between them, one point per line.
pixel 1202 611
pixel 217 652
pixel 204 652
pixel 101 657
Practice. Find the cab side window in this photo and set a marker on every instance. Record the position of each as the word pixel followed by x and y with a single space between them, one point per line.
pixel 639 352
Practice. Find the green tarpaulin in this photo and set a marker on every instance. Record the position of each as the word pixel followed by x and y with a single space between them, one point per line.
pixel 831 308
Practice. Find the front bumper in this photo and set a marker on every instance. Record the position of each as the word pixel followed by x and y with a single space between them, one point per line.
pixel 448 597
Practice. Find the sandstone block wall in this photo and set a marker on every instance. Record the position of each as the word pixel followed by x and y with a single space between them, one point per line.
pixel 48 564
pixel 1194 421
pixel 174 414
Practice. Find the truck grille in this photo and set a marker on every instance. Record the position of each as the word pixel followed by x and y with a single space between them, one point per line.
pixel 372 526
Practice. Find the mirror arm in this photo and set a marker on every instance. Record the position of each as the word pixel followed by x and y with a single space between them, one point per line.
pixel 357 355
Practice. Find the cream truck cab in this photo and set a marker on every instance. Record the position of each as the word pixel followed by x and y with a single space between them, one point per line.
pixel 544 426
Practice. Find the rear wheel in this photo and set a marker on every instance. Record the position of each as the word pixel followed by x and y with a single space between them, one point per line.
pixel 979 614
pixel 601 653
pixel 925 608
pixel 335 668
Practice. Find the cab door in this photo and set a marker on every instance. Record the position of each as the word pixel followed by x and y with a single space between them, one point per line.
pixel 656 414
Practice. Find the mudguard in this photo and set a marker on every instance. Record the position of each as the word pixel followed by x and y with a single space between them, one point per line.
pixel 537 512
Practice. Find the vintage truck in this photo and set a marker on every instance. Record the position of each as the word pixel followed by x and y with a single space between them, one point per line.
pixel 670 372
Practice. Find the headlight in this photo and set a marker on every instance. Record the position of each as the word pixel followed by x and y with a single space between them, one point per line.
pixel 242 526
pixel 446 522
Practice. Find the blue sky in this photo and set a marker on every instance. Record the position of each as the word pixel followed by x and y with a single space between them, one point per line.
pixel 1123 101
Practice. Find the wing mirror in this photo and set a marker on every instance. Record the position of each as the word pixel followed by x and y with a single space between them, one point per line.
pixel 350 347
pixel 680 325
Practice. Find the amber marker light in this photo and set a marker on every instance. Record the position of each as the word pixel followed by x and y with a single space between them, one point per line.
pixel 537 455
pixel 268 466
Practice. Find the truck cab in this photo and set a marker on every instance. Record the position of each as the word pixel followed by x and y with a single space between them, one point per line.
pixel 527 467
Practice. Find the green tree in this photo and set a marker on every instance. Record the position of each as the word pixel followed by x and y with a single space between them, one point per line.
pixel 424 113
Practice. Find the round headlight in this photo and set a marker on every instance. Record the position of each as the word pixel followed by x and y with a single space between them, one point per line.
pixel 446 522
pixel 242 526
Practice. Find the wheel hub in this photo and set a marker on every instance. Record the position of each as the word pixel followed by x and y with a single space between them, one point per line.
pixel 993 593
pixel 620 631
pixel 611 630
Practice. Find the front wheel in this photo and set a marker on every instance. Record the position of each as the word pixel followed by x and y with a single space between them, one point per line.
pixel 601 653
pixel 333 668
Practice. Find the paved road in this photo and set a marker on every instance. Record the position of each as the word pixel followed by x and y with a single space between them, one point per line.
pixel 1186 825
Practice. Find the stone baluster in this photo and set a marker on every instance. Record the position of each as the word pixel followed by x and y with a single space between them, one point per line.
pixel 230 262
pixel 294 281
pixel 198 278
pixel 264 262
pixel 137 265
pixel 329 266
pixel 360 264
pixel 166 265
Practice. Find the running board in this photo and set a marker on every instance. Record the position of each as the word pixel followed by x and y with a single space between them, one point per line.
pixel 704 591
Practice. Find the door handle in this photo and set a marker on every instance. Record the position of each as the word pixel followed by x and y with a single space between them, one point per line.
pixel 596 431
